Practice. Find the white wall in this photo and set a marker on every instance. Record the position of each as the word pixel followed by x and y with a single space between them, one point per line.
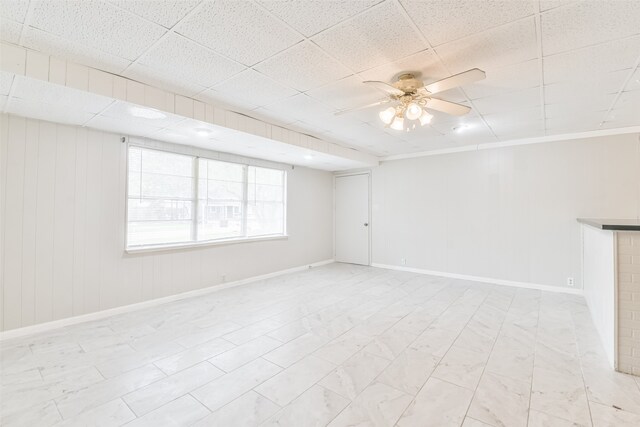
pixel 62 229
pixel 507 213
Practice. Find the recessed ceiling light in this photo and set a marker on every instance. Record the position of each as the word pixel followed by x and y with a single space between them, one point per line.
pixel 461 128
pixel 203 132
pixel 308 157
pixel 146 113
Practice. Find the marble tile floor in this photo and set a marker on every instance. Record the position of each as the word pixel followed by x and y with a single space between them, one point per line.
pixel 339 345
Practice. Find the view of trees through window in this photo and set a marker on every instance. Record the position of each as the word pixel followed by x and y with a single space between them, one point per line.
pixel 177 199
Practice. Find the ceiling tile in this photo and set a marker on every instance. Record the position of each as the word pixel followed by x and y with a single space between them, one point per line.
pixel 503 80
pixel 629 100
pixel 526 123
pixel 98 25
pixel 163 80
pixel 240 30
pixel 349 92
pixel 424 65
pixel 15 10
pixel 375 37
pixel 252 87
pixel 299 107
pixel 6 79
pixel 126 126
pixel 583 64
pixel 39 110
pixel 552 4
pixel 587 92
pixel 304 66
pixel 10 31
pixel 312 16
pixel 526 98
pixel 575 123
pixel 76 52
pixel 443 21
pixel 33 90
pixel 587 23
pixel 183 60
pixel 573 111
pixel 495 48
pixel 163 12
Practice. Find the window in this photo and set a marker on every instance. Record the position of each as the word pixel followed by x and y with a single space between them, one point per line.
pixel 175 200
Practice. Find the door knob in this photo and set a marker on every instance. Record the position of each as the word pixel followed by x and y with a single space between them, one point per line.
pixel 366 224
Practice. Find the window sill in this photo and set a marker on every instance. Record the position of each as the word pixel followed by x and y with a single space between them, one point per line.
pixel 192 245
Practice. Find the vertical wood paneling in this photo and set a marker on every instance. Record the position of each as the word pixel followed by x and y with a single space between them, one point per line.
pixel 45 221
pixel 29 222
pixel 79 225
pixel 93 223
pixel 64 217
pixel 13 223
pixel 109 265
pixel 4 142
pixel 62 230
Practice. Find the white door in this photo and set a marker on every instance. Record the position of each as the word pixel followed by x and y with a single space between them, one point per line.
pixel 352 219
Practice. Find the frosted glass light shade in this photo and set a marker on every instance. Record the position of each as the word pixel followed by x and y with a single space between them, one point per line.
pixel 425 118
pixel 398 123
pixel 413 111
pixel 387 115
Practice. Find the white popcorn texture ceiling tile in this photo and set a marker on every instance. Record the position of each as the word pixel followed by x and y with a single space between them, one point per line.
pixel 584 64
pixel 312 16
pixel 592 94
pixel 162 12
pixel 375 37
pixel 552 4
pixel 98 25
pixel 239 30
pixel 163 80
pixel 524 123
pixel 588 23
pixel 77 52
pixel 10 30
pixel 503 80
pixel 181 59
pixel 349 92
pixel 14 10
pixel 303 67
pixel 252 87
pixel 442 21
pixel 424 64
pixel 33 90
pixel 494 48
pixel 508 102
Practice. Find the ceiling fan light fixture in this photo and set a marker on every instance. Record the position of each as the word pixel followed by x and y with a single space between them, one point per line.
pixel 397 123
pixel 387 115
pixel 425 118
pixel 413 111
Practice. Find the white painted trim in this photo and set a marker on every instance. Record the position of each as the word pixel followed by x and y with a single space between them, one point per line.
pixel 491 280
pixel 515 142
pixel 44 327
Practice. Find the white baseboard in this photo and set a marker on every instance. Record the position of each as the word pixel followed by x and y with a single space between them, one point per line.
pixel 44 327
pixel 491 280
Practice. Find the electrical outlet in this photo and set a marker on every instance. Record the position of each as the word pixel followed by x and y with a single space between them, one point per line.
pixel 570 281
pixel 403 261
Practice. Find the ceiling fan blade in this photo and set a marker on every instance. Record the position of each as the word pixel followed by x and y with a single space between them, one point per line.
pixel 385 87
pixel 447 107
pixel 461 79
pixel 374 104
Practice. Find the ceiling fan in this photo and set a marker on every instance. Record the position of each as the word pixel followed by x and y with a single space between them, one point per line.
pixel 412 98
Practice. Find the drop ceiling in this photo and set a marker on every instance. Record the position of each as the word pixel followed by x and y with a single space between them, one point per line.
pixel 553 66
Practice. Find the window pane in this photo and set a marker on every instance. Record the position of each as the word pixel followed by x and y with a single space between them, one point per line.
pixel 159 221
pixel 161 197
pixel 265 218
pixel 220 200
pixel 265 201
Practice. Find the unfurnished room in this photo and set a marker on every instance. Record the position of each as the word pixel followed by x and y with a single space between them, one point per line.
pixel 311 213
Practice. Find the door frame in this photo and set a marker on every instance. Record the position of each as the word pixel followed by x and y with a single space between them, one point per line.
pixel 366 172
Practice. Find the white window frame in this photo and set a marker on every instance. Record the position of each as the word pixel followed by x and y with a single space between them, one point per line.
pixel 194 227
